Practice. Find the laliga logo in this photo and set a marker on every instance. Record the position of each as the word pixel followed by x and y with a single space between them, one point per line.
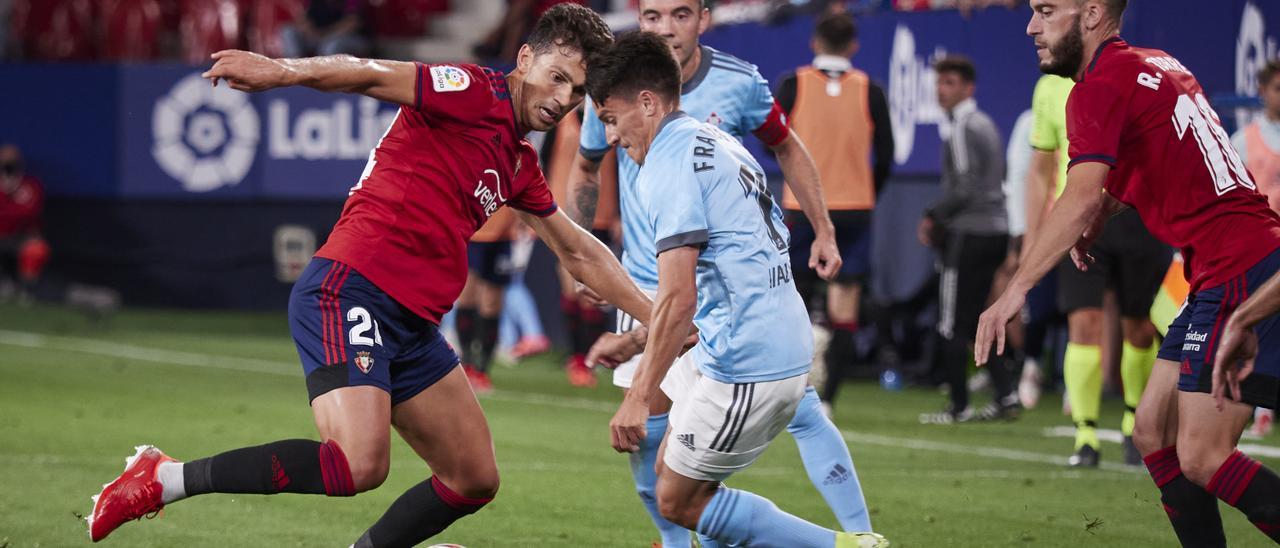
pixel 912 99
pixel 1253 49
pixel 204 136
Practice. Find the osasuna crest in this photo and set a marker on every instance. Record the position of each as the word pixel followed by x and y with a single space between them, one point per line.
pixel 364 361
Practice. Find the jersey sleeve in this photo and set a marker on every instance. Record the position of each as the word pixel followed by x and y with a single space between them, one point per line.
pixel 1095 119
pixel 592 142
pixel 460 93
pixel 682 219
pixel 1044 135
pixel 762 114
pixel 535 196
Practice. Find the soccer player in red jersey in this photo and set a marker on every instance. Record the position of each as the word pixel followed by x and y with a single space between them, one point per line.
pixel 1143 135
pixel 364 314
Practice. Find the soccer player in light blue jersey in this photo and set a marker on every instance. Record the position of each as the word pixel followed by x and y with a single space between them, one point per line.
pixel 723 263
pixel 727 92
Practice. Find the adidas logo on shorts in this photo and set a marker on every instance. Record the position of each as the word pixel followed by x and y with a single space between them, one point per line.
pixel 686 440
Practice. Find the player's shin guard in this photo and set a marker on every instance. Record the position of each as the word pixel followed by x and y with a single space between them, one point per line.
pixel 646 479
pixel 1082 373
pixel 289 466
pixel 420 513
pixel 1135 369
pixel 740 518
pixel 1192 511
pixel 826 459
pixel 1253 489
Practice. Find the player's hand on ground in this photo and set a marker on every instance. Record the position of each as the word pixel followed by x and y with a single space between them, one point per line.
pixel 824 257
pixel 1239 345
pixel 589 296
pixel 626 430
pixel 612 350
pixel 993 325
pixel 245 71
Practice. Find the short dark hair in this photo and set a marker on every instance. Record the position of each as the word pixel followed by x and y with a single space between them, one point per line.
pixel 1268 71
pixel 958 65
pixel 836 31
pixel 1115 8
pixel 637 61
pixel 573 26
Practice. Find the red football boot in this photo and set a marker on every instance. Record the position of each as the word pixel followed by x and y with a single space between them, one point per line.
pixel 133 495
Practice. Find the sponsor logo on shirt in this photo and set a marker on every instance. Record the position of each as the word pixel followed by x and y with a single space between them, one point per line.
pixel 446 78
pixel 490 198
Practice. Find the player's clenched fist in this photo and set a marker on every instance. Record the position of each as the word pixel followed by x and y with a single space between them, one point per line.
pixel 247 71
pixel 627 429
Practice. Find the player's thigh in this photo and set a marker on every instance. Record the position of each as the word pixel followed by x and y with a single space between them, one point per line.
pixel 446 427
pixel 681 500
pixel 1207 436
pixel 334 317
pixel 1156 419
pixel 358 418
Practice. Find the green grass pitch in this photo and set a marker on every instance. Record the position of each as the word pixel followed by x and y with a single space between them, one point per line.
pixel 75 397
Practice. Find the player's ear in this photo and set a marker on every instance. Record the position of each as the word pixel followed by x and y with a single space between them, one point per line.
pixel 1092 16
pixel 648 102
pixel 524 59
pixel 704 22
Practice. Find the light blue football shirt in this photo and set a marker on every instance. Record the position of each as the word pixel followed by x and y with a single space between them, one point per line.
pixel 752 324
pixel 725 91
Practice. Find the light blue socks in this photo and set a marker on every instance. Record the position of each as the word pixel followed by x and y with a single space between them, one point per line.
pixel 642 462
pixel 740 518
pixel 826 459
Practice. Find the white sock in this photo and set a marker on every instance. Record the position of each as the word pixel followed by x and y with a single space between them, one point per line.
pixel 170 476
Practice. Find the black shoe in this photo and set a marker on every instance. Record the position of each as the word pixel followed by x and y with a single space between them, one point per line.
pixel 1086 456
pixel 999 412
pixel 1131 455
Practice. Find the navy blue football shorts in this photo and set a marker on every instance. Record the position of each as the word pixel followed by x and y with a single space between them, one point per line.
pixel 1193 337
pixel 349 333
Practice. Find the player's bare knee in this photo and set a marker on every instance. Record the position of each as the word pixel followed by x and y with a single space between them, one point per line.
pixel 1139 332
pixel 369 473
pixel 677 510
pixel 1147 435
pixel 1198 465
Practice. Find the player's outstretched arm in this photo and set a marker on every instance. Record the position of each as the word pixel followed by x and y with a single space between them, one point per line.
pixel 393 81
pixel 672 313
pixel 1062 229
pixel 1239 343
pixel 589 261
pixel 802 174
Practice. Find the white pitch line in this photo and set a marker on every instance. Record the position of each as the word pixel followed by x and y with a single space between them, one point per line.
pixel 1114 436
pixel 193 359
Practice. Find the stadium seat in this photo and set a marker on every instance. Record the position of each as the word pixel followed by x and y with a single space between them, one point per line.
pixel 266 17
pixel 131 30
pixel 208 26
pixel 404 18
pixel 54 30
